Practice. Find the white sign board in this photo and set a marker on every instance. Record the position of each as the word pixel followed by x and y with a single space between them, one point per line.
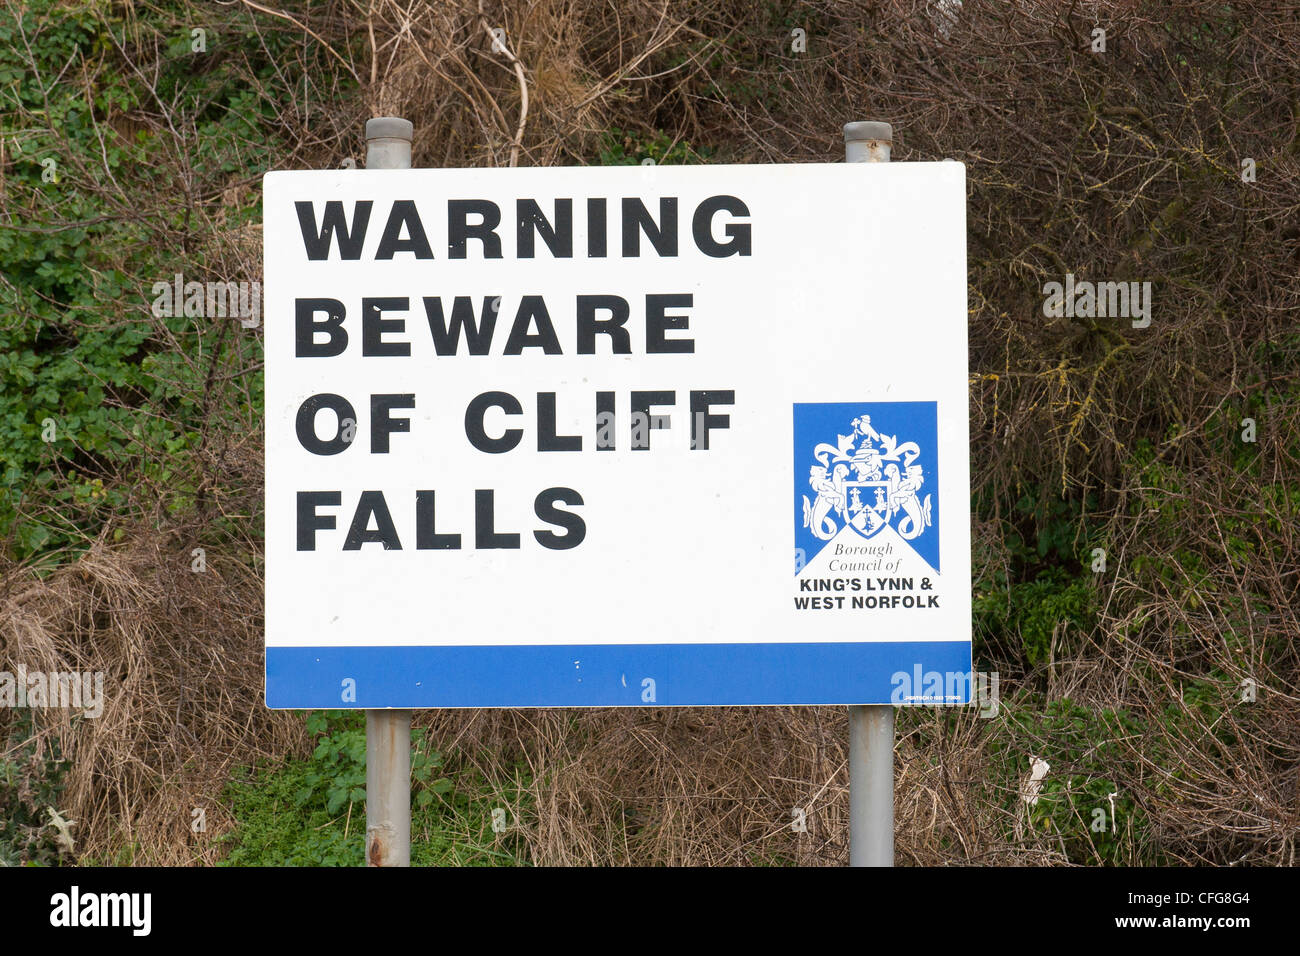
pixel 616 436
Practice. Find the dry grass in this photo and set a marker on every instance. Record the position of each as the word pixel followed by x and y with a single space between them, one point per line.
pixel 182 663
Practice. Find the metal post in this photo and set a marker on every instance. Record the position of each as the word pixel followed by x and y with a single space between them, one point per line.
pixel 388 788
pixel 871 728
pixel 388 143
pixel 388 732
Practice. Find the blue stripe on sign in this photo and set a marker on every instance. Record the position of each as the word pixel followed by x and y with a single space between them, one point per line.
pixel 614 675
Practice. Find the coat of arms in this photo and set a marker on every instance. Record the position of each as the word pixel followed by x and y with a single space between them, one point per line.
pixel 866 481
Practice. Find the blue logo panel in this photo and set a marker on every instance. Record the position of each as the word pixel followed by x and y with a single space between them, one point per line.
pixel 866 466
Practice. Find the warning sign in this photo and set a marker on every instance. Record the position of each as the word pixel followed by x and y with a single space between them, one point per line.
pixel 615 436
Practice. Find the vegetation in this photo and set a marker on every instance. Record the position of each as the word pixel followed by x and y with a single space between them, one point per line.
pixel 31 782
pixel 1136 489
pixel 312 812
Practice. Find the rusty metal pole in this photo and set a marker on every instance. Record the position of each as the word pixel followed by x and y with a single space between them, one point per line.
pixel 388 732
pixel 871 728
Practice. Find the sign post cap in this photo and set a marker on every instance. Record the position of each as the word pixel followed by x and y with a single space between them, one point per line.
pixel 865 130
pixel 389 127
